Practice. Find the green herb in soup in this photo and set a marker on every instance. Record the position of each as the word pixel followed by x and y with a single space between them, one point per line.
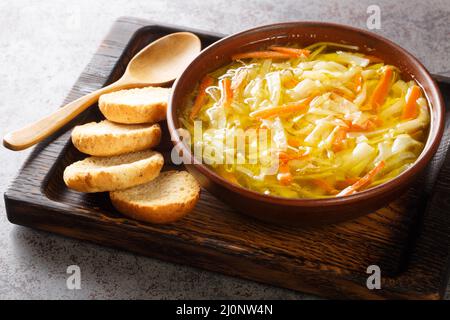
pixel 337 121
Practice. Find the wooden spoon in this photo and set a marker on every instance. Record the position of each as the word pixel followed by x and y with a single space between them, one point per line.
pixel 160 62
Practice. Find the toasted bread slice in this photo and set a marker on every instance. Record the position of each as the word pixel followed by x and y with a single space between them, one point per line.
pixel 142 105
pixel 165 199
pixel 99 174
pixel 107 138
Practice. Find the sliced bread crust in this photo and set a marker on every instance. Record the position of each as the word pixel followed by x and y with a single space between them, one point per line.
pixel 134 106
pixel 165 199
pixel 98 174
pixel 107 138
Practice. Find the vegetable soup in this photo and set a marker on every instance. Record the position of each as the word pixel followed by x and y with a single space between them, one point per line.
pixel 337 121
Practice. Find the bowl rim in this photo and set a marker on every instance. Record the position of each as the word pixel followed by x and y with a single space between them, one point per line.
pixel 427 153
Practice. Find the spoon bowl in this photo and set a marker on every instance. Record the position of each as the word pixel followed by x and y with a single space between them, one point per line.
pixel 164 60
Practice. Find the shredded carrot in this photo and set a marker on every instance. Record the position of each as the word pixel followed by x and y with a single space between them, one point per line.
pixel 238 80
pixel 227 92
pixel 294 142
pixel 368 125
pixel 261 55
pixel 410 110
pixel 381 90
pixel 283 156
pixel 358 82
pixel 294 52
pixel 282 110
pixel 284 175
pixel 286 156
pixel 352 180
pixel 201 95
pixel 339 137
pixel 325 186
pixel 377 121
pixel 291 83
pixel 363 182
pixel 285 178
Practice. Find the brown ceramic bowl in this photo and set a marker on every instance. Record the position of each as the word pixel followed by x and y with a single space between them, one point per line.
pixel 306 211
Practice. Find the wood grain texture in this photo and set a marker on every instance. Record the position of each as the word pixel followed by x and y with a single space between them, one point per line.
pixel 408 239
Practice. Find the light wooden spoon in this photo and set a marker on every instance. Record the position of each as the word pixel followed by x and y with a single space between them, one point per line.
pixel 158 63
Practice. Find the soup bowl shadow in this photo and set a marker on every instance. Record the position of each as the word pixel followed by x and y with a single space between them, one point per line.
pixel 304 212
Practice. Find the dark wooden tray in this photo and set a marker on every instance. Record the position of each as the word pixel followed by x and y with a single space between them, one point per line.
pixel 408 240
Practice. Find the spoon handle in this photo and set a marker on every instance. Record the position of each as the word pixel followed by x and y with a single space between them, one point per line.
pixel 41 129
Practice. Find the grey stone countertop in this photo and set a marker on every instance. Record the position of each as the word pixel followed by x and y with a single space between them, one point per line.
pixel 44 47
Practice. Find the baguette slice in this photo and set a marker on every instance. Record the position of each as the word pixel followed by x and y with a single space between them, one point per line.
pixel 107 138
pixel 142 105
pixel 168 198
pixel 95 174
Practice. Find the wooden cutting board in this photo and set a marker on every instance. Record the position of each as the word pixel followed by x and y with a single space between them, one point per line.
pixel 408 240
